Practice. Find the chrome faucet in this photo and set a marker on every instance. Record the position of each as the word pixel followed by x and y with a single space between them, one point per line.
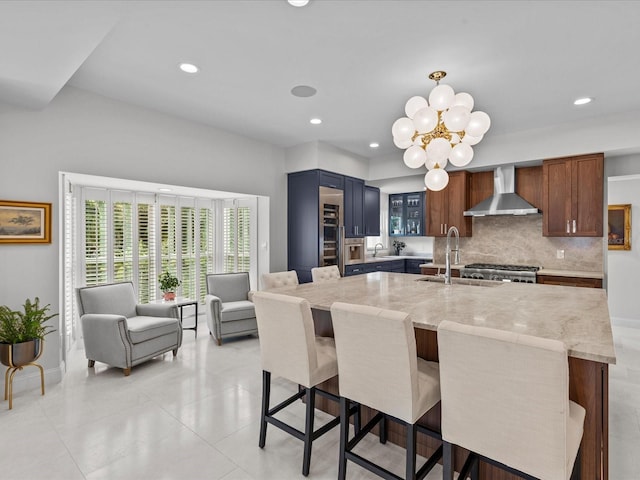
pixel 375 249
pixel 447 255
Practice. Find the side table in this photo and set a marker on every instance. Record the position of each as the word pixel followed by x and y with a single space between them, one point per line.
pixel 182 302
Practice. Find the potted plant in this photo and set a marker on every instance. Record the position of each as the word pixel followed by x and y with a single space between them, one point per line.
pixel 168 285
pixel 22 332
pixel 398 245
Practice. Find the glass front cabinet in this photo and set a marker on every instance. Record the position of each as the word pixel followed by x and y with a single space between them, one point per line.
pixel 406 214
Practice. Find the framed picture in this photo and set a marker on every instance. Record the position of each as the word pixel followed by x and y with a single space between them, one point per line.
pixel 619 237
pixel 25 222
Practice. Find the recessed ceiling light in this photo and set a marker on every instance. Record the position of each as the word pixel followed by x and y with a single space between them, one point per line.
pixel 165 189
pixel 188 68
pixel 374 144
pixel 298 3
pixel 315 121
pixel 583 101
pixel 303 91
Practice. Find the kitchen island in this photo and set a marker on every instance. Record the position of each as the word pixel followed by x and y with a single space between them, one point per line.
pixel 577 316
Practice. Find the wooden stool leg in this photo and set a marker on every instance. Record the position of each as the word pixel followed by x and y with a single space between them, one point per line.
pixel 41 376
pixel 13 372
pixel 6 383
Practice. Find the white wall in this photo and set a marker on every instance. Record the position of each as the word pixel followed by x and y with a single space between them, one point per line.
pixel 86 133
pixel 309 156
pixel 624 266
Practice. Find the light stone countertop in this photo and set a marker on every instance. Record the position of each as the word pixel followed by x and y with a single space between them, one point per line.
pixel 570 273
pixel 577 316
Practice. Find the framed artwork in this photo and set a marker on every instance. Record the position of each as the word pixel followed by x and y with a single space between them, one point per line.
pixel 25 222
pixel 619 233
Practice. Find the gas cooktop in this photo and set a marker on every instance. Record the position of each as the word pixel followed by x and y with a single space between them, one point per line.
pixel 510 268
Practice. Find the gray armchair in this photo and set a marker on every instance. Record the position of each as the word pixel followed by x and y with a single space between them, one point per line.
pixel 121 333
pixel 230 313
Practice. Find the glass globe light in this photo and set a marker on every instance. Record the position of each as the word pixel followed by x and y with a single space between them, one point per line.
pixel 438 149
pixel 463 99
pixel 441 97
pixel 402 128
pixel 461 155
pixel 414 157
pixel 425 120
pixel 414 104
pixel 468 139
pixel 405 143
pixel 455 138
pixel 456 118
pixel 479 123
pixel 431 163
pixel 436 179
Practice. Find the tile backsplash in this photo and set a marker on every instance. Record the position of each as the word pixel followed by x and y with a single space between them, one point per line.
pixel 518 240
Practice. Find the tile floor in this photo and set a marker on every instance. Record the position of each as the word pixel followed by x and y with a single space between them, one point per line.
pixel 196 417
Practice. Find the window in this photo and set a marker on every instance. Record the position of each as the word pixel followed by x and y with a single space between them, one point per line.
pixel 237 238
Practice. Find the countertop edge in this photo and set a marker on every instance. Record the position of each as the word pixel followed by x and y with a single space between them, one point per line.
pixel 570 273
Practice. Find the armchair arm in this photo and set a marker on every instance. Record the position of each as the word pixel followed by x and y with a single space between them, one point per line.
pixel 157 310
pixel 212 306
pixel 106 339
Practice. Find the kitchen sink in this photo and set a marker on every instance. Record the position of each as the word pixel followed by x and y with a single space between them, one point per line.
pixel 460 281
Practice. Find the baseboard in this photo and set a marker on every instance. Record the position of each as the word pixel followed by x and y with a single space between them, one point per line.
pixel 29 378
pixel 625 322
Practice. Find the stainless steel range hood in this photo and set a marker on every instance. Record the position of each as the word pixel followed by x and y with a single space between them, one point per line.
pixel 504 200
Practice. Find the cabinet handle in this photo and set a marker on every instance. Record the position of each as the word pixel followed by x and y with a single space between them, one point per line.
pixel 568 231
pixel 574 226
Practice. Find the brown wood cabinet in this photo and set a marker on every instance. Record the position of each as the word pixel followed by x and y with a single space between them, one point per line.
pixel 446 207
pixel 570 281
pixel 572 196
pixel 438 271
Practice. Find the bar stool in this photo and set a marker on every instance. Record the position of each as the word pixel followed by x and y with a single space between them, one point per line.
pixel 323 274
pixel 378 366
pixel 290 349
pixel 505 397
pixel 279 279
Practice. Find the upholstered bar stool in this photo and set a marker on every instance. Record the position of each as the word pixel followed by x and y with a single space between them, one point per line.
pixel 323 274
pixel 378 366
pixel 505 397
pixel 290 349
pixel 279 279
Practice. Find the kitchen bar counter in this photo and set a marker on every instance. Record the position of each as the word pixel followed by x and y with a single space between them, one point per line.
pixel 577 316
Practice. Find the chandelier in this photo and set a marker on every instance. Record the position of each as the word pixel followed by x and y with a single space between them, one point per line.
pixel 439 131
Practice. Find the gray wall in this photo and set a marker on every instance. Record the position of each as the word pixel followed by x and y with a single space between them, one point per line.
pixel 85 133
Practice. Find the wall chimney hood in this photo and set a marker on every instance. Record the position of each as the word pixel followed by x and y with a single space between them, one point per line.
pixel 504 200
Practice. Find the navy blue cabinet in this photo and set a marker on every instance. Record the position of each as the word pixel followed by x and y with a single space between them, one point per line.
pixel 353 207
pixel 371 211
pixel 406 214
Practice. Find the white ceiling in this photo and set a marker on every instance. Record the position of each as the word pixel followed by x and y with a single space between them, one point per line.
pixel 524 62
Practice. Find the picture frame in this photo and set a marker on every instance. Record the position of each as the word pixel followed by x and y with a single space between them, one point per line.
pixel 25 222
pixel 619 231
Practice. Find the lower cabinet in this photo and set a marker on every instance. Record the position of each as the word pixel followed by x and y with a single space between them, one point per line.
pixel 397 266
pixel 570 281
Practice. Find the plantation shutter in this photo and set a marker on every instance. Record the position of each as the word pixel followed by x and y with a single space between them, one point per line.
pixel 96 269
pixel 146 247
pixel 206 244
pixel 229 239
pixel 70 248
pixel 244 239
pixel 122 231
pixel 167 232
pixel 188 248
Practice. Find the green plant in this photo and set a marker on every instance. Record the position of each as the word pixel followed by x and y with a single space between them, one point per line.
pixel 168 282
pixel 398 245
pixel 21 326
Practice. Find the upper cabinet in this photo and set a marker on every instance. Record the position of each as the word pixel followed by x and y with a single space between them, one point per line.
pixel 353 207
pixel 406 214
pixel 371 211
pixel 572 196
pixel 446 207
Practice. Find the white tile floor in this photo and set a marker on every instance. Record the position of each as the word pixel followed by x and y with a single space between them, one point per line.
pixel 196 417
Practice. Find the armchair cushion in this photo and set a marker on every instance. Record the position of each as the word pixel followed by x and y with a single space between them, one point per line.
pixel 116 299
pixel 237 310
pixel 143 328
pixel 229 287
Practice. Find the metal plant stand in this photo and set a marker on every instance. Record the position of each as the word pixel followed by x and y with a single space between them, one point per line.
pixel 12 369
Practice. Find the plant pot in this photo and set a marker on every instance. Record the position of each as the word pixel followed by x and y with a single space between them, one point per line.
pixel 169 296
pixel 21 353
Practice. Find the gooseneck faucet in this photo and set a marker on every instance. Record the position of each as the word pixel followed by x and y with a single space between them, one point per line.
pixel 447 255
pixel 375 249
